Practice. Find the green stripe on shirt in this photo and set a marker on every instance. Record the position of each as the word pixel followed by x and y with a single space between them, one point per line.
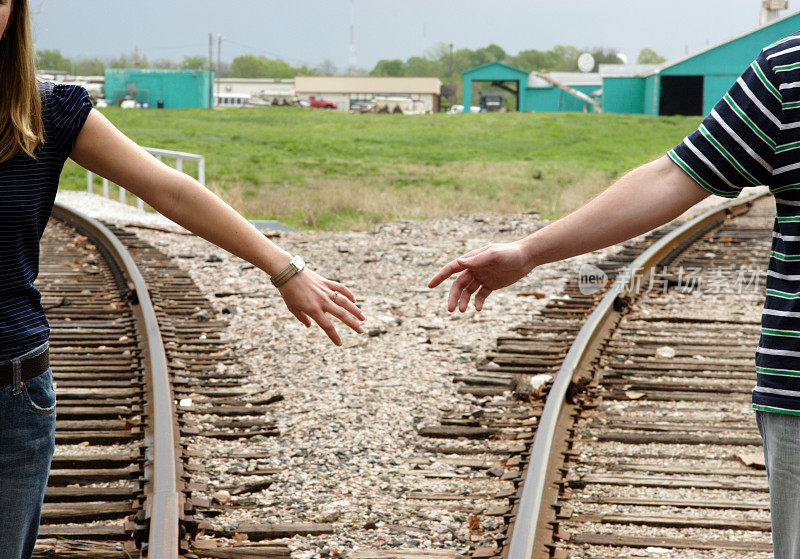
pixel 760 73
pixel 786 147
pixel 786 67
pixel 752 125
pixel 704 131
pixel 789 333
pixel 775 410
pixel 782 372
pixel 682 164
pixel 784 258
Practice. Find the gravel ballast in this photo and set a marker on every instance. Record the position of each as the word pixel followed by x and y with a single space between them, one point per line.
pixel 348 423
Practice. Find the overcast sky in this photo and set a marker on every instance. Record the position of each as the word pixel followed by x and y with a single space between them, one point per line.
pixel 310 31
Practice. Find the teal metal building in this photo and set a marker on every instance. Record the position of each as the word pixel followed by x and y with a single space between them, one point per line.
pixel 693 84
pixel 532 93
pixel 176 89
pixel 689 86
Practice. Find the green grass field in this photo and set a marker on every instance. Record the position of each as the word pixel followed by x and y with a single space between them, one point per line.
pixel 329 170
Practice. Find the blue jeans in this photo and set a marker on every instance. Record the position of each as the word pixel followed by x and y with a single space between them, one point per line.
pixel 27 441
pixel 781 436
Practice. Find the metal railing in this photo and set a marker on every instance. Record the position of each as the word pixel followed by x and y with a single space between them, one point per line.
pixel 160 154
pixel 527 535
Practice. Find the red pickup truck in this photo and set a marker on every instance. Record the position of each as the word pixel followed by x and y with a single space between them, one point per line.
pixel 321 103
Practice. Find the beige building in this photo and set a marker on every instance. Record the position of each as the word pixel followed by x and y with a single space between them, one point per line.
pixel 346 90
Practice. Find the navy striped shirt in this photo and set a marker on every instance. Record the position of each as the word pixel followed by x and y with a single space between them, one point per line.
pixel 27 192
pixel 752 137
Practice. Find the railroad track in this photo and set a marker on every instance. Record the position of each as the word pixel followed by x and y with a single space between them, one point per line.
pixel 100 497
pixel 647 442
pixel 143 377
pixel 490 443
pixel 109 480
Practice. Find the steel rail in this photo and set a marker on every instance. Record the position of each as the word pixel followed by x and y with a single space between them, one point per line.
pixel 530 526
pixel 163 502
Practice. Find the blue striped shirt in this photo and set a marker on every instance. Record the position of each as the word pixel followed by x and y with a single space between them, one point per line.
pixel 27 192
pixel 752 137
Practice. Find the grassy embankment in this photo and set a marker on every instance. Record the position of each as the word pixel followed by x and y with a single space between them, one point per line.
pixel 330 170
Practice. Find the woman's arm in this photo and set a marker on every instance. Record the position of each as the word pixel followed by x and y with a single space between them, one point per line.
pixel 643 199
pixel 106 151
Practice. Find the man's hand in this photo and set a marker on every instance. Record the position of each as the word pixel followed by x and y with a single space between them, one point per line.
pixel 643 199
pixel 485 269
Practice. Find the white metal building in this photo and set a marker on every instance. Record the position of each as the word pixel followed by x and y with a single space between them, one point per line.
pixel 266 89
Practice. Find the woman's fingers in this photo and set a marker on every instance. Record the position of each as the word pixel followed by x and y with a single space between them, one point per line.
pixel 302 317
pixel 343 297
pixel 349 306
pixel 458 286
pixel 341 288
pixel 480 297
pixel 327 326
pixel 346 317
pixel 466 293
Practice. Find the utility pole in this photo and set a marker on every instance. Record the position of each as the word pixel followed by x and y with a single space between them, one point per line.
pixel 211 63
pixel 219 52
pixel 210 52
pixel 452 81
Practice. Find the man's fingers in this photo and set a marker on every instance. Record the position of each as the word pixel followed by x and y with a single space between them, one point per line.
pixel 448 270
pixel 480 297
pixel 455 290
pixel 336 286
pixel 346 317
pixel 327 326
pixel 301 316
pixel 479 259
pixel 466 293
pixel 454 267
pixel 475 252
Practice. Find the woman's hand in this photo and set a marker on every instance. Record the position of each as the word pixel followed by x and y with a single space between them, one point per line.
pixel 485 269
pixel 310 296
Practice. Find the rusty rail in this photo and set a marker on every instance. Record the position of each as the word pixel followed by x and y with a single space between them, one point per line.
pixel 529 534
pixel 164 500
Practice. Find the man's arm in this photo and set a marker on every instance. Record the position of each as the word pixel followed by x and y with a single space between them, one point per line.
pixel 643 199
pixel 104 150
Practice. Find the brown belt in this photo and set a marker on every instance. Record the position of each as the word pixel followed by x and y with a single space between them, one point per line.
pixel 31 366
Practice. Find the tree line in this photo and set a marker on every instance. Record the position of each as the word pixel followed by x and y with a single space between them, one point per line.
pixel 441 61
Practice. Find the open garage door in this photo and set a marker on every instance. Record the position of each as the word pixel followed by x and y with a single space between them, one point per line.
pixel 681 95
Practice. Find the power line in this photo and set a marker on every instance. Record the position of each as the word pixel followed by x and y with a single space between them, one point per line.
pixel 267 53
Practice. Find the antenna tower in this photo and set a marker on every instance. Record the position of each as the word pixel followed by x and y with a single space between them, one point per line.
pixel 352 35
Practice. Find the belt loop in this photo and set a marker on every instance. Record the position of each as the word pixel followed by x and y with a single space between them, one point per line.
pixel 16 376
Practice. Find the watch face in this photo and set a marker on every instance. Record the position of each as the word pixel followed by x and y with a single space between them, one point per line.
pixel 298 262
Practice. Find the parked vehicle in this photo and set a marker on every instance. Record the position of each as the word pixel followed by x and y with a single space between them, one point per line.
pixel 460 109
pixel 491 102
pixel 398 105
pixel 232 99
pixel 320 103
pixel 361 106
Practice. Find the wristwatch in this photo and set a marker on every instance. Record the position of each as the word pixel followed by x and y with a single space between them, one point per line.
pixel 295 267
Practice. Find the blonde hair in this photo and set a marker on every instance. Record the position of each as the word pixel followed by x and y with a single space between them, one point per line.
pixel 21 127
